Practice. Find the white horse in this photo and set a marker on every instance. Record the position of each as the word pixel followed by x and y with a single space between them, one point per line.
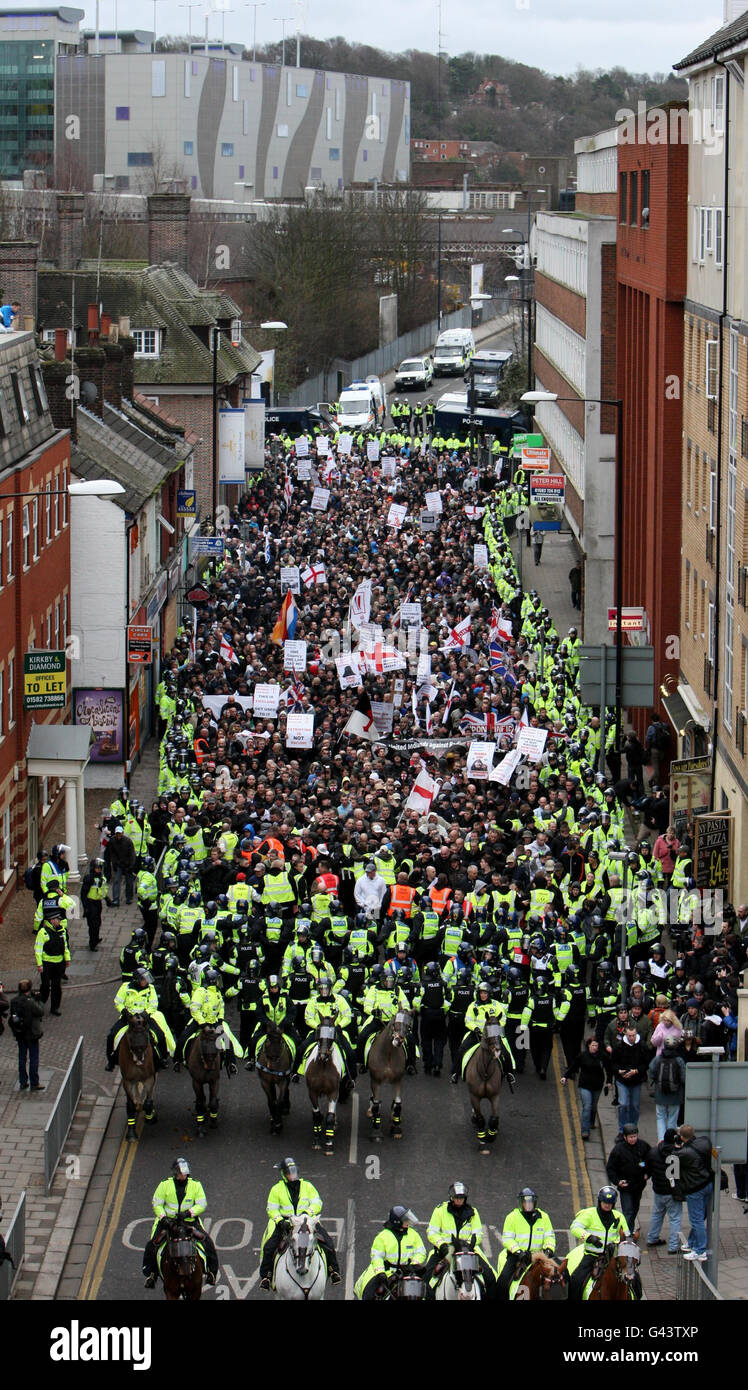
pixel 300 1267
pixel 461 1281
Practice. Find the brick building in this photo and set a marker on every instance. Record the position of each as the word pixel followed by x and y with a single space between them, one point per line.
pixel 651 276
pixel 709 706
pixel 575 328
pixel 34 590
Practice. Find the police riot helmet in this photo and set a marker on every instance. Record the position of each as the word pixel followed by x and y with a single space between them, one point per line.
pixel 180 1168
pixel 607 1194
pixel 458 1189
pixel 528 1194
pixel 212 977
pixel 289 1169
pixel 399 1217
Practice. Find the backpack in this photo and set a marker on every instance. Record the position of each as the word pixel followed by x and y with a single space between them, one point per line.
pixel 662 737
pixel 17 1020
pixel 669 1076
pixel 28 877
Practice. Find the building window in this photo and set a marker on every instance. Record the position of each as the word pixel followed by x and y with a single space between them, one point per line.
pixel 275 171
pixel 316 172
pixel 121 183
pixel 189 147
pixel 718 105
pixel 39 390
pixel 7 845
pixel 49 632
pixel 9 547
pixel 121 113
pixel 718 224
pixel 622 193
pixel 245 118
pixel 65 619
pixel 235 81
pixel 188 78
pixel 20 395
pixel 712 362
pixel 708 230
pixel 48 512
pixel 2 706
pixel 334 153
pixel 193 182
pixel 300 89
pixel 227 150
pixel 328 119
pixel 687 596
pixel 57 626
pixel 645 198
pixel 56 499
pixel 64 488
pixel 282 132
pixel 6 419
pixel 146 342
pixel 26 533
pixel 702 235
pixel 11 692
pixel 1 552
pixel 35 525
pixel 139 159
pixel 158 77
pixel 633 198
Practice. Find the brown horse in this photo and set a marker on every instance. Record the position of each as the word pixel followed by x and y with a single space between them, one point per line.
pixel 181 1265
pixel 204 1066
pixel 484 1077
pixel 386 1063
pixel 274 1070
pixel 138 1068
pixel 323 1079
pixel 541 1278
pixel 615 1274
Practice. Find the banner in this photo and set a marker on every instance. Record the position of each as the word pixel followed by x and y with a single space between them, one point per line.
pixel 344 445
pixel 104 712
pixel 429 745
pixel 503 771
pixel 290 579
pixel 389 468
pixel 320 499
pixel 254 434
pixel 301 445
pixel 479 761
pixel 480 557
pixel 397 514
pixel 383 712
pixel 266 699
pixel 300 730
pixel 410 614
pixel 231 427
pixel 531 742
pixel 433 502
pixel 304 471
pixel 217 703
pixel 294 656
pixel 372 450
pixel 348 671
pixel 323 446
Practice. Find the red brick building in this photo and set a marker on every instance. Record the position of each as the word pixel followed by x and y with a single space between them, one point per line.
pixel 651 285
pixel 34 590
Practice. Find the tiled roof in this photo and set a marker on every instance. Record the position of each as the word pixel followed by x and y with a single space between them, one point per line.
pixel 726 37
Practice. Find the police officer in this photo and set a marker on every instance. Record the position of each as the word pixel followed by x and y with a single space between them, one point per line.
pixel 456 1219
pixel 432 1006
pixel 395 1248
pixel 93 893
pixel 52 954
pixel 292 1195
pixel 601 1228
pixel 526 1229
pixel 178 1195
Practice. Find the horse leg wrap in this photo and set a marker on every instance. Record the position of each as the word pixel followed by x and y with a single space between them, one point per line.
pixel 493 1126
pixel 213 1114
pixel 149 1111
pixel 396 1115
pixel 482 1134
pixel 376 1114
pixel 330 1131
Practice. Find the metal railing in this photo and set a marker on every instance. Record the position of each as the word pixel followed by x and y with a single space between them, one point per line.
pixel 58 1125
pixel 418 340
pixel 15 1244
pixel 691 1283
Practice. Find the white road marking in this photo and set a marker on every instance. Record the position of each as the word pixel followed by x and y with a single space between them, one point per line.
pixel 353 1146
pixel 350 1249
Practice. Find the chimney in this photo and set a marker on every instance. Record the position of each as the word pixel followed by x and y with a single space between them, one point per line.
pixel 18 275
pixel 89 363
pixel 70 209
pixel 168 228
pixel 127 346
pixel 114 354
pixel 55 376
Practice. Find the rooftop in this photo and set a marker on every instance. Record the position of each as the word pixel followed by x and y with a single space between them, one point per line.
pixel 727 37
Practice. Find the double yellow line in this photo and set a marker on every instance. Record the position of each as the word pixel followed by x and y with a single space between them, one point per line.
pixel 110 1215
pixel 571 1130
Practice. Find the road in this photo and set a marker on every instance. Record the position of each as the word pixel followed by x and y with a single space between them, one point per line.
pixel 502 341
pixel 537 1145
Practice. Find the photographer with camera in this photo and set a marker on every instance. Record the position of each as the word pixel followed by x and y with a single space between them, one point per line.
pixel 26 1014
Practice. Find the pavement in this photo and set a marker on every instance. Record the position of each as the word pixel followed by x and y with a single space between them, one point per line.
pixel 94 978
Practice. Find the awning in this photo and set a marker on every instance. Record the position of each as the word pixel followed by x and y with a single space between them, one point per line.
pixel 677 712
pixel 58 750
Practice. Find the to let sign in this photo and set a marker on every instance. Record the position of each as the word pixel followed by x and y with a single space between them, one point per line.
pixel 548 487
pixel 139 645
pixel 44 680
pixel 536 460
pixel 632 619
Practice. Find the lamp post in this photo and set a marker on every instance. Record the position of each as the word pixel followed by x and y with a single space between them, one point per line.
pixel 283 21
pixel 536 396
pixel 235 330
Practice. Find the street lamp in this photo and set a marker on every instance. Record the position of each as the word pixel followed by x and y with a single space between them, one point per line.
pixel 235 330
pixel 286 19
pixel 94 487
pixel 537 396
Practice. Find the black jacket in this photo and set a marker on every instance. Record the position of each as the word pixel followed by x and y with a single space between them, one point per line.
pixel 625 1058
pixel 32 1013
pixel 627 1161
pixel 590 1068
pixel 660 1170
pixel 694 1166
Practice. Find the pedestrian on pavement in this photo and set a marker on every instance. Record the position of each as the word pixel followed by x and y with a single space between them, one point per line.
pixel 634 750
pixel 657 742
pixel 575 582
pixel 628 1062
pixel 93 893
pixel 124 863
pixel 26 1013
pixel 695 1182
pixel 667 1200
pixel 626 1170
pixel 591 1081
pixel 537 544
pixel 667 1072
pixel 665 849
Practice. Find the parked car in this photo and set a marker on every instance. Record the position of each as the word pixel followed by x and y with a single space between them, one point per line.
pixel 414 374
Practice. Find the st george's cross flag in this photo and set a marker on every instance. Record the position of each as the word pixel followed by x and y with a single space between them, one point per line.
pixel 459 636
pixel 227 652
pixel 361 722
pixel 422 793
pixel 313 574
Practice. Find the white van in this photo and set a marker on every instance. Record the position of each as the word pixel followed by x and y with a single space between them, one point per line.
pixel 362 405
pixel 453 352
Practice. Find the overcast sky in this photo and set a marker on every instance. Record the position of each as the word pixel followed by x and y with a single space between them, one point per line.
pixel 557 35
